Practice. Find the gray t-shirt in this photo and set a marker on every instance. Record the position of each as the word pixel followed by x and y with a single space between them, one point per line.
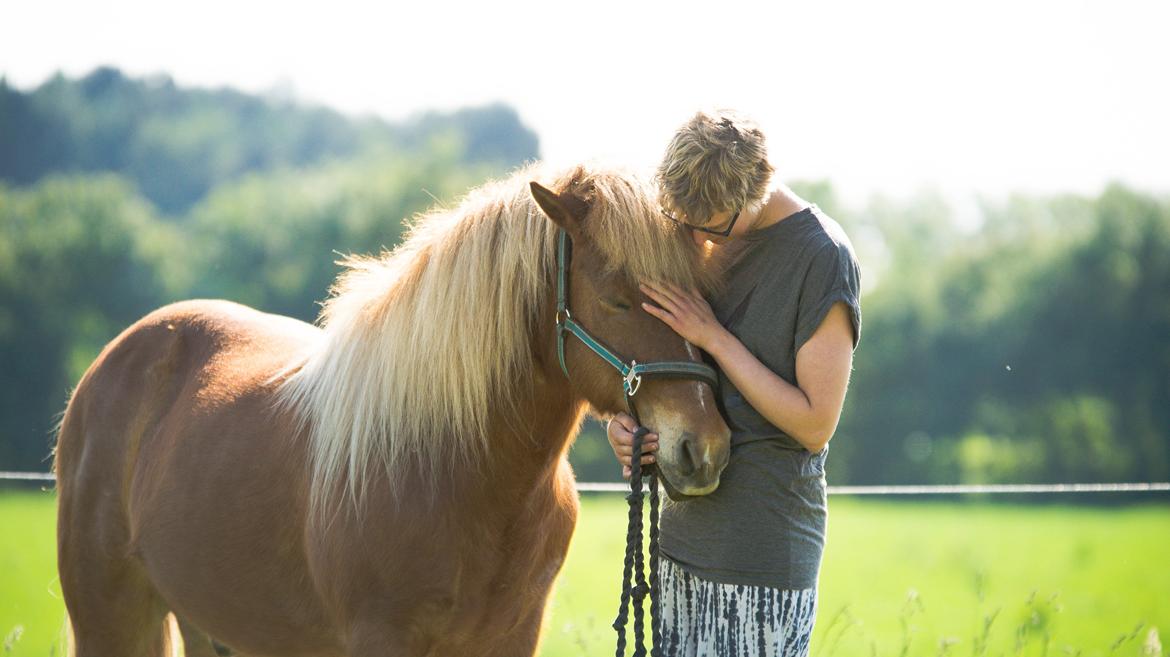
pixel 765 524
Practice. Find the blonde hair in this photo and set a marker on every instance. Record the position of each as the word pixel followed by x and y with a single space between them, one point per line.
pixel 716 162
pixel 422 346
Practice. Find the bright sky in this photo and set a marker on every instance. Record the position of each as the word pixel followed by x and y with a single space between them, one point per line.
pixel 889 96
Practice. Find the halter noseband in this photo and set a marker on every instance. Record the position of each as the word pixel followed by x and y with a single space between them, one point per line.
pixel 632 372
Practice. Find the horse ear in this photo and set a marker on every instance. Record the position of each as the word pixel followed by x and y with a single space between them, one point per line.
pixel 566 210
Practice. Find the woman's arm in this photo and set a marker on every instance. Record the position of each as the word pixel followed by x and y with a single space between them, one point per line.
pixel 809 413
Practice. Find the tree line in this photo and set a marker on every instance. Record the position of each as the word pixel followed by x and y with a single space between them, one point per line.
pixel 177 144
pixel 1031 346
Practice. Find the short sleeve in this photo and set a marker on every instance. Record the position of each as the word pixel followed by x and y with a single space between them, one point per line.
pixel 833 276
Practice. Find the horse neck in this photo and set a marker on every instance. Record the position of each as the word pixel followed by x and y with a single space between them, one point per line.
pixel 528 446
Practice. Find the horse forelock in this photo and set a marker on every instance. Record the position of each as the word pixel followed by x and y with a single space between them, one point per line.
pixel 626 226
pixel 426 344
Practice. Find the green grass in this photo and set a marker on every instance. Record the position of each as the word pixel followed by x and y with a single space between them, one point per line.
pixel 31 608
pixel 923 579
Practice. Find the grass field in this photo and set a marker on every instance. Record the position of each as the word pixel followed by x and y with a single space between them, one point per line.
pixel 922 579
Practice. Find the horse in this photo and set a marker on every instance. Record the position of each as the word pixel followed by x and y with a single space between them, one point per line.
pixel 394 479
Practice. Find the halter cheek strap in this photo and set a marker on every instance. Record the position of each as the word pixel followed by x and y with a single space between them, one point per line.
pixel 633 372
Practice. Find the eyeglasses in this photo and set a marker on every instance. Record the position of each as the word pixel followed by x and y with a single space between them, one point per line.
pixel 722 233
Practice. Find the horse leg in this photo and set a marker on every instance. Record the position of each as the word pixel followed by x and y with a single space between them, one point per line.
pixel 387 639
pixel 113 607
pixel 197 643
pixel 523 639
pixel 114 611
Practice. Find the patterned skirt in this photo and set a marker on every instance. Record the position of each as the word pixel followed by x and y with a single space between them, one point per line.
pixel 701 618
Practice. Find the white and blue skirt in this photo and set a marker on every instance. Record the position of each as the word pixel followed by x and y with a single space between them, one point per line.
pixel 701 618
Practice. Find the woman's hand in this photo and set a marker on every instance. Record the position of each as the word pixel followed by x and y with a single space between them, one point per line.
pixel 621 438
pixel 685 311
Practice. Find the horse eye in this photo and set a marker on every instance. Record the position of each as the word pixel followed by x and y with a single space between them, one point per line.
pixel 616 304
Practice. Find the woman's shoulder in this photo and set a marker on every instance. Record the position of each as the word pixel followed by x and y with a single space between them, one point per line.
pixel 830 231
pixel 807 236
pixel 831 244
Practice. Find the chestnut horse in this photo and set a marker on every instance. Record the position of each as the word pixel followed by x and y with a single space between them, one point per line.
pixel 394 482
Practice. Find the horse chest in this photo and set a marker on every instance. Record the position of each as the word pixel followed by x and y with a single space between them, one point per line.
pixel 515 573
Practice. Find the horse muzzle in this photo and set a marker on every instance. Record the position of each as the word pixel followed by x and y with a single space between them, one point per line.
pixel 690 466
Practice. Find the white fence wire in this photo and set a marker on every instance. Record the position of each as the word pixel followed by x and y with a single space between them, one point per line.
pixel 955 489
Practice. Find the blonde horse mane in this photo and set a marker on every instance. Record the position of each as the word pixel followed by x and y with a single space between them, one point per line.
pixel 425 343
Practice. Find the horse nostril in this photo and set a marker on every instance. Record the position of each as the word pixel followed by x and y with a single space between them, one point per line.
pixel 688 458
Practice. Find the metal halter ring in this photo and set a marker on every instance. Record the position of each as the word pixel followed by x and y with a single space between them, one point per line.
pixel 632 380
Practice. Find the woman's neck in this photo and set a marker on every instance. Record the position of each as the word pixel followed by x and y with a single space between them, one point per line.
pixel 779 204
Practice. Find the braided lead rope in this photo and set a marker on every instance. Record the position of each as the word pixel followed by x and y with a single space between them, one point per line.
pixel 635 588
pixel 638 594
pixel 655 609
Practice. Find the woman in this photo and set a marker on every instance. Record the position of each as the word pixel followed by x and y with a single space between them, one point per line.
pixel 739 568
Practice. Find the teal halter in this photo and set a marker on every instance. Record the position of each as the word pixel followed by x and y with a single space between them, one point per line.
pixel 635 588
pixel 632 372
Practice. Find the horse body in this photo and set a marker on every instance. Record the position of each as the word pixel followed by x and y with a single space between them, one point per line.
pixel 188 484
pixel 160 503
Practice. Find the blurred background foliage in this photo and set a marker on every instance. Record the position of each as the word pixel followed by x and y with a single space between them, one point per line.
pixel 1028 343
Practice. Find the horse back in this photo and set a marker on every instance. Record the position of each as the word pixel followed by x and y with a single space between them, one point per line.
pixel 192 357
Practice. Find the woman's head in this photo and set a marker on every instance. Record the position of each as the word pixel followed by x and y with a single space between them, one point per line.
pixel 715 166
